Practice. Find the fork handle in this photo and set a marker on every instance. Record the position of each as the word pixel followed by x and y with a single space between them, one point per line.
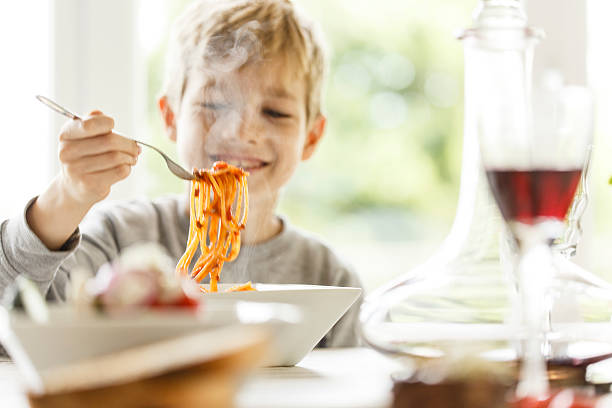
pixel 57 107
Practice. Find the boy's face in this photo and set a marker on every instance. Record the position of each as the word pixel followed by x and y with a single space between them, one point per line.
pixel 254 118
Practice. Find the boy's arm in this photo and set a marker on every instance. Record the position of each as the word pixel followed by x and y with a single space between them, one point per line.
pixel 100 238
pixel 23 253
pixel 92 159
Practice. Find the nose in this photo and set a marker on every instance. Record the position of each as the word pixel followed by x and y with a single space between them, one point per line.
pixel 250 128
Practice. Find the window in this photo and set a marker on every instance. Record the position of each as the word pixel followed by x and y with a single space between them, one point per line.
pixel 26 141
pixel 598 228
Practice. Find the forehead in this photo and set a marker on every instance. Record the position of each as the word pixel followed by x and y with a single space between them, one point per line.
pixel 272 77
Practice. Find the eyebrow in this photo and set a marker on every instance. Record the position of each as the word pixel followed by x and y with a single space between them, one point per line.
pixel 280 93
pixel 275 92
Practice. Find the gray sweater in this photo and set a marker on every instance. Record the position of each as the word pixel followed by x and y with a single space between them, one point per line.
pixel 290 257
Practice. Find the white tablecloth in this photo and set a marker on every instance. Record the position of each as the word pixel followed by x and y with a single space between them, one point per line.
pixel 326 378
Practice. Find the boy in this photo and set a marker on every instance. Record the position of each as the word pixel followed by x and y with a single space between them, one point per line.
pixel 243 85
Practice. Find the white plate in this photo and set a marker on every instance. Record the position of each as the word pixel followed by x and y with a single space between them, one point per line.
pixel 322 307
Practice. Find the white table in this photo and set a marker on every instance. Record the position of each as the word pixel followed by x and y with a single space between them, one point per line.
pixel 326 378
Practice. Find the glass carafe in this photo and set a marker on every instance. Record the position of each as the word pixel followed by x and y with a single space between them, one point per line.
pixel 463 298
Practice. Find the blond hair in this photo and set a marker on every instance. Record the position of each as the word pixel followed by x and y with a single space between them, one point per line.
pixel 221 32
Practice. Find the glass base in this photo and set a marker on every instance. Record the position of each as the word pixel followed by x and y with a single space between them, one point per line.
pixel 454 312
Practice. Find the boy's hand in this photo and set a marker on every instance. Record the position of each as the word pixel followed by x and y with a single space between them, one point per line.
pixel 93 158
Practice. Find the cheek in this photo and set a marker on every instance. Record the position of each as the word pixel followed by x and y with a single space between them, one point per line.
pixel 191 140
pixel 290 152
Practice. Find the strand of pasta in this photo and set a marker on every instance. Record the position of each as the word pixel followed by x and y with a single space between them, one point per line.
pixel 212 226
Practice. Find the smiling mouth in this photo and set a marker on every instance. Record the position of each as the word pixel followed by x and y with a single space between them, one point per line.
pixel 246 163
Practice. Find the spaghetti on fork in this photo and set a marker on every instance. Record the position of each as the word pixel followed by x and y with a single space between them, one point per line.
pixel 218 210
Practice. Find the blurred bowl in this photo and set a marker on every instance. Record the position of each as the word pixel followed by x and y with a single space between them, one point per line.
pixel 296 317
pixel 73 336
pixel 196 370
pixel 322 307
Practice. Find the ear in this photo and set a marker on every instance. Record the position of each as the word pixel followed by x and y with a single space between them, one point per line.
pixel 168 118
pixel 314 136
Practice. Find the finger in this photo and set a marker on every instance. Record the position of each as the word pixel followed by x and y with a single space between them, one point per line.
pixel 98 123
pixel 100 162
pixel 71 150
pixel 95 124
pixel 108 177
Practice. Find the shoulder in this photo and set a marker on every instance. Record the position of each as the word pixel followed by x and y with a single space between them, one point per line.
pixel 325 265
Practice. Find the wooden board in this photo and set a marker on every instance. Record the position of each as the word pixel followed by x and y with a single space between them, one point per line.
pixel 211 383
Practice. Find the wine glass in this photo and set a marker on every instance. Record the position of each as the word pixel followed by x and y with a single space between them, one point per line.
pixel 533 148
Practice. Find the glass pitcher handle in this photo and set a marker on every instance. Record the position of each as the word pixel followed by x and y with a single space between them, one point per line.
pixel 573 233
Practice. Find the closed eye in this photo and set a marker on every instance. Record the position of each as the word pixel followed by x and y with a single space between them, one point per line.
pixel 276 114
pixel 213 105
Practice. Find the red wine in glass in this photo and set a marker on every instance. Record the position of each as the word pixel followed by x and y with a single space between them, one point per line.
pixel 531 196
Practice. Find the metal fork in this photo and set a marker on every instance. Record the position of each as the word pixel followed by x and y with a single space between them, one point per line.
pixel 173 166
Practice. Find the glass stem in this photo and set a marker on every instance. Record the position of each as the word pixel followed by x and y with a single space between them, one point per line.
pixel 535 272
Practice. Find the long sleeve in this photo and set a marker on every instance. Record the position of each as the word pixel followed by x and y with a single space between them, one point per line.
pixel 103 234
pixel 23 253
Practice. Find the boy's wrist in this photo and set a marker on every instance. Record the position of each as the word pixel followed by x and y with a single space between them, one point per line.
pixel 55 215
pixel 62 189
pixel 58 196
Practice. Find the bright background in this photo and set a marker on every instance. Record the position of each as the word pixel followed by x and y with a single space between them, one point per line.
pixel 382 188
